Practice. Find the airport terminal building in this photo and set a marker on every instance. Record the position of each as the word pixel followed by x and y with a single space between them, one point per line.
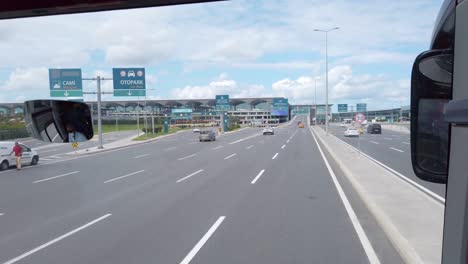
pixel 248 111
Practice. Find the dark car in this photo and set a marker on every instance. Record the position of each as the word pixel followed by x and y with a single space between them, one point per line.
pixel 374 129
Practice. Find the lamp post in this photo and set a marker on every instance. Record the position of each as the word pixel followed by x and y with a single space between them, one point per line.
pixel 326 73
pixel 315 99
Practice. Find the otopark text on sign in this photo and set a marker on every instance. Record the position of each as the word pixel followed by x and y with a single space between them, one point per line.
pixel 129 81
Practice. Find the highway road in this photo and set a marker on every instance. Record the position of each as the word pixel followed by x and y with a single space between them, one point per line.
pixel 245 198
pixel 392 148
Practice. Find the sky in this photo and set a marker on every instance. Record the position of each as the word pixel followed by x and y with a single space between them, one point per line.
pixel 243 48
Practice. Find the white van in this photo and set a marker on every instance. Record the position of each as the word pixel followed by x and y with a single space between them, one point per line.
pixel 29 157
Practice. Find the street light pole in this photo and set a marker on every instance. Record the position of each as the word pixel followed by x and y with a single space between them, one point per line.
pixel 315 99
pixel 326 74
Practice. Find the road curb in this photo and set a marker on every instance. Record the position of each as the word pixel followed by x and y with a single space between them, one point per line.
pixel 399 242
pixel 133 143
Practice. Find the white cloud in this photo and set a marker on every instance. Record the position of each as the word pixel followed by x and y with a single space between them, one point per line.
pixel 222 85
pixel 377 90
pixel 255 35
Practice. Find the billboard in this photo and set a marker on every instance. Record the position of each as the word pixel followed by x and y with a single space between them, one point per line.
pixel 280 107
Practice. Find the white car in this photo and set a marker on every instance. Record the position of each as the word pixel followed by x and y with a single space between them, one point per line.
pixel 351 132
pixel 268 131
pixel 196 130
pixel 342 125
pixel 29 157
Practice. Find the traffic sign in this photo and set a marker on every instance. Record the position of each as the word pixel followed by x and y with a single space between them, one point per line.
pixel 166 125
pixel 361 107
pixel 359 118
pixel 342 108
pixel 129 81
pixel 75 145
pixel 222 102
pixel 65 83
pixel 280 107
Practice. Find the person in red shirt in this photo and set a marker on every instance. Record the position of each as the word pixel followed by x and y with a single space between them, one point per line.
pixel 18 150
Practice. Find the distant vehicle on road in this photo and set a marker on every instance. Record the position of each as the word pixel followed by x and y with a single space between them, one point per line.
pixel 351 132
pixel 207 135
pixel 29 156
pixel 342 124
pixel 374 129
pixel 268 131
pixel 301 125
pixel 196 130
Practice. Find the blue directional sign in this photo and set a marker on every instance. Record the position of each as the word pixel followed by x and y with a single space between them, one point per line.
pixel 280 107
pixel 342 108
pixel 65 83
pixel 222 102
pixel 129 81
pixel 361 107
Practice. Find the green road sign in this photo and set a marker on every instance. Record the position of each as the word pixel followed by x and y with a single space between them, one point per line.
pixel 222 102
pixel 129 81
pixel 342 108
pixel 361 107
pixel 65 83
pixel 129 92
pixel 166 125
pixel 225 122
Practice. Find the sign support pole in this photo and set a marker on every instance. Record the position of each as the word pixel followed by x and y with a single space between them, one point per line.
pixel 98 79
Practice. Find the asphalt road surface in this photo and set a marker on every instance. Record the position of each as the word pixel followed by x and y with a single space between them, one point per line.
pixel 391 148
pixel 245 198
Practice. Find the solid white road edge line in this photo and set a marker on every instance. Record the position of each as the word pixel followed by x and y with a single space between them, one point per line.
pixel 55 177
pixel 118 178
pixel 186 157
pixel 257 177
pixel 186 177
pixel 20 257
pixel 230 156
pixel 367 246
pixel 396 149
pixel 401 176
pixel 140 156
pixel 274 157
pixel 202 241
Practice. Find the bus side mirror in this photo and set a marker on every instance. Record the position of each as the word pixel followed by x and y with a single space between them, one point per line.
pixel 431 89
pixel 58 121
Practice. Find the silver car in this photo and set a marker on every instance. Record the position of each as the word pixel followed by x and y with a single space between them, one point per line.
pixel 207 135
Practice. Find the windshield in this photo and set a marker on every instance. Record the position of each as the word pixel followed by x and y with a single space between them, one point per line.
pixel 215 133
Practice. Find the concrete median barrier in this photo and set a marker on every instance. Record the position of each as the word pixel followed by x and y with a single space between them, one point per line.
pixel 411 219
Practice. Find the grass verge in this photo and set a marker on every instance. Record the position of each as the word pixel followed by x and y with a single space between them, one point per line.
pixel 150 136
